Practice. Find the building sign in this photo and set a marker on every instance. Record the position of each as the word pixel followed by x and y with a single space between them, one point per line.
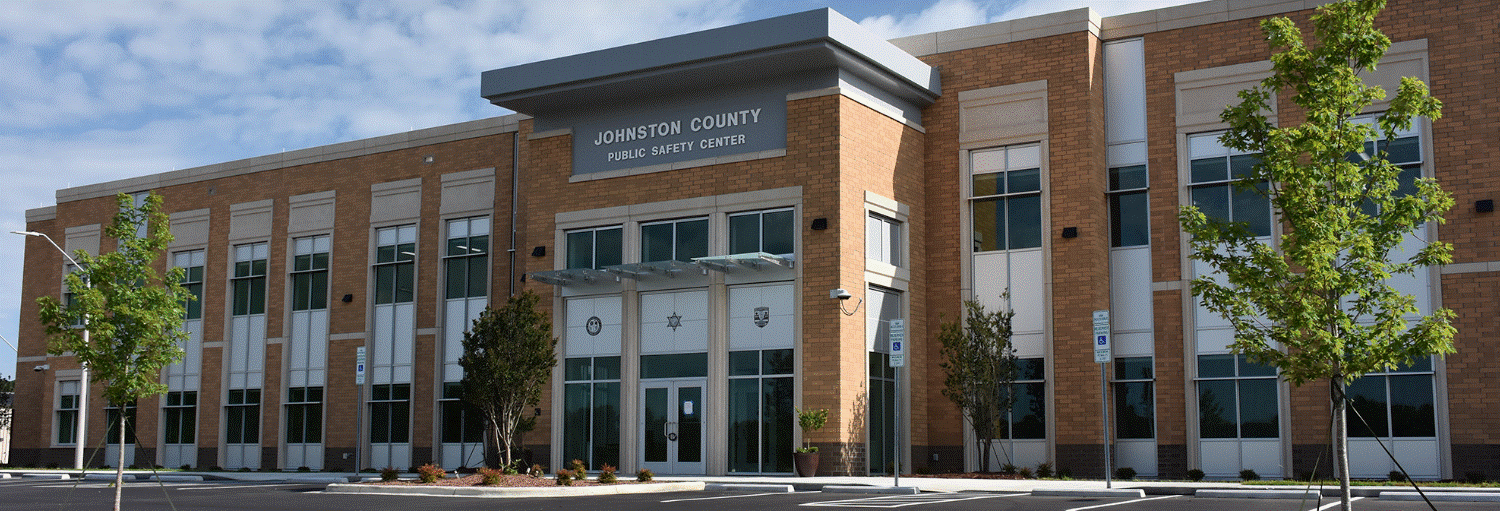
pixel 668 134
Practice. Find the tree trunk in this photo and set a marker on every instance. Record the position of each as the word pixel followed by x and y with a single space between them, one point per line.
pixel 120 463
pixel 984 450
pixel 1341 441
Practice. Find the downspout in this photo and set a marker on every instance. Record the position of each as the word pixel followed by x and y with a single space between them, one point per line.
pixel 515 181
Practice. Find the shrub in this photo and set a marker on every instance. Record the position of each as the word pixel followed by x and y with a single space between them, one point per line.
pixel 607 474
pixel 490 476
pixel 1125 473
pixel 922 470
pixel 245 469
pixel 511 468
pixel 430 473
pixel 580 471
pixel 1044 470
pixel 537 470
pixel 185 467
pixel 389 474
pixel 1195 475
pixel 1474 477
pixel 1008 469
pixel 51 465
pixel 1249 475
pixel 304 468
pixel 1396 476
pixel 564 477
pixel 644 475
pixel 1025 472
pixel 1063 473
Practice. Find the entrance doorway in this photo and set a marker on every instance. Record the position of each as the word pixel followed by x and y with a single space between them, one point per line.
pixel 672 426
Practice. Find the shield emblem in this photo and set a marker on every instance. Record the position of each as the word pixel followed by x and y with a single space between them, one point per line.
pixel 594 325
pixel 762 316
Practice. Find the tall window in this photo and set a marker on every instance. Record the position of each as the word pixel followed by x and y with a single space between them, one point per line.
pixel 1006 197
pixel 883 239
pixel 1236 398
pixel 595 248
pixel 395 266
pixel 462 422
pixel 180 414
pixel 1135 398
pixel 390 405
pixel 676 240
pixel 591 396
pixel 304 415
pixel 191 262
pixel 883 305
pixel 762 231
pixel 1028 413
pixel 466 258
pixel 112 418
pixel 1399 403
pixel 310 274
pixel 1215 171
pixel 1404 151
pixel 760 410
pixel 67 412
pixel 249 282
pixel 242 416
pixel 1129 220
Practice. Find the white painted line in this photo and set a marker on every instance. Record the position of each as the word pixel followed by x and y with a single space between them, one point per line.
pixel 195 487
pixel 725 497
pixel 1123 502
pixel 892 502
pixel 1336 503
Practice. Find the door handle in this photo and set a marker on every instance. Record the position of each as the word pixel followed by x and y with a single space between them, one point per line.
pixel 667 430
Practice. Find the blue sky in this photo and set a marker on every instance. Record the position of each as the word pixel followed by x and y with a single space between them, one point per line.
pixel 102 90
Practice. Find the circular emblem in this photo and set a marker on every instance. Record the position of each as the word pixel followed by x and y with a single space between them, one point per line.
pixel 594 325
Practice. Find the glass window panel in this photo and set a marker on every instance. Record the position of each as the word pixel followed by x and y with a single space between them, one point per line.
pixel 1258 413
pixel 1248 368
pixel 778 233
pixel 1209 170
pixel 988 184
pixel 301 283
pixel 1254 209
pixel 607 368
pixel 989 224
pixel 655 410
pixel 1420 365
pixel 1029 413
pixel 302 263
pixel 385 254
pixel 452 426
pixel 1403 150
pixel 1217 417
pixel 1216 366
pixel 1367 396
pixel 776 361
pixel 676 365
pixel 656 242
pixel 1025 221
pixel 744 423
pixel 1213 201
pixel 385 284
pixel 479 276
pixel 1241 166
pixel 744 233
pixel 380 418
pixel 319 297
pixel 320 261
pixel 1027 180
pixel 607 423
pixel 1412 409
pixel 457 247
pixel 987 161
pixel 406 252
pixel 404 279
pixel 1024 157
pixel 195 306
pixel 1408 180
pixel 576 426
pixel 400 429
pixel 743 363
pixel 692 239
pixel 1134 410
pixel 1133 368
pixel 581 249
pixel 608 247
pixel 1129 220
pixel 1031 369
pixel 1127 178
pixel 577 369
pixel 777 424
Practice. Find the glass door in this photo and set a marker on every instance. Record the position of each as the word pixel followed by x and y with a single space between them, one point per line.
pixel 672 426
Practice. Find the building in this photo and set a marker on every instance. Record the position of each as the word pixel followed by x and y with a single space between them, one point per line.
pixel 691 206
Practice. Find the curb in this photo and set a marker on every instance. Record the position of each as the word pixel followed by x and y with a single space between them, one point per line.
pixel 1256 494
pixel 47 476
pixel 175 478
pixel 1139 494
pixel 531 492
pixel 884 490
pixel 1442 496
pixel 773 488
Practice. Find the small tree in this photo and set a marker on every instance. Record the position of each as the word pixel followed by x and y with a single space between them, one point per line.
pixel 508 358
pixel 980 366
pixel 133 317
pixel 7 393
pixel 1319 306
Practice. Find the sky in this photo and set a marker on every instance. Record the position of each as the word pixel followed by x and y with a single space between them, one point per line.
pixel 100 90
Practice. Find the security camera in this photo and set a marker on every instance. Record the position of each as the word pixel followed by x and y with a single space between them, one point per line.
pixel 840 294
pixel 42 367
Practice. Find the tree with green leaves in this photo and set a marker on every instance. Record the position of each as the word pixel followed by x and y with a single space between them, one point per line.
pixel 508 357
pixel 133 316
pixel 1319 304
pixel 7 394
pixel 980 367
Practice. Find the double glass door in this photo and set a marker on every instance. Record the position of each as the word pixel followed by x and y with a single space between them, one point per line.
pixel 672 426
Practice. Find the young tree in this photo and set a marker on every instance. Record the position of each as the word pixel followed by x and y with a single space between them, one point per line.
pixel 134 317
pixel 1319 306
pixel 508 357
pixel 7 393
pixel 980 366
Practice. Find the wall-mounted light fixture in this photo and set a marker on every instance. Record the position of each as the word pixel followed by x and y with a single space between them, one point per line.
pixel 1484 206
pixel 843 296
pixel 819 224
pixel 539 251
pixel 348 298
pixel 1070 232
pixel 42 367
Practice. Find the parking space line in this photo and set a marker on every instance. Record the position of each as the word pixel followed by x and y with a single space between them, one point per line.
pixel 727 497
pixel 1123 502
pixel 1335 503
pixel 220 487
pixel 895 501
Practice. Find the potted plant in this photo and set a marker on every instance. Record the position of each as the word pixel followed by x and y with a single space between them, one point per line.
pixel 806 457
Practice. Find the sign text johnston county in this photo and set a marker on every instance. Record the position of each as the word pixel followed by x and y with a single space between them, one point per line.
pixel 696 124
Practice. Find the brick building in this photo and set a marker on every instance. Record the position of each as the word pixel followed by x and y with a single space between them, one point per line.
pixel 690 206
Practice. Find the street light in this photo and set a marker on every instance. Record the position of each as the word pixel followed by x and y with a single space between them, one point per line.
pixel 83 387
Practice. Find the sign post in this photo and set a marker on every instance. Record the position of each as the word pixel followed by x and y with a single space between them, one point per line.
pixel 1102 356
pixel 359 404
pixel 898 361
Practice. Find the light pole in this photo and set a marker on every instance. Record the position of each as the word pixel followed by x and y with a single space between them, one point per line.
pixel 83 384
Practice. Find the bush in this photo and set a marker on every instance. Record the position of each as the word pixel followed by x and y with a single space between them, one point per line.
pixel 490 476
pixel 1063 473
pixel 1249 475
pixel 389 474
pixel 644 475
pixel 1008 469
pixel 1195 475
pixel 537 470
pixel 1125 473
pixel 512 468
pixel 564 477
pixel 607 474
pixel 185 467
pixel 1474 477
pixel 1044 470
pixel 304 468
pixel 245 469
pixel 430 473
pixel 1396 476
pixel 580 471
pixel 1025 472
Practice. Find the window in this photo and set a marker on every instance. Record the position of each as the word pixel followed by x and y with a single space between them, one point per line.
pixel 191 262
pixel 67 412
pixel 310 273
pixel 883 305
pixel 1405 151
pixel 249 280
pixel 180 417
pixel 1215 170
pixel 595 248
pixel 1129 220
pixel 304 415
pixel 1028 413
pixel 466 258
pixel 762 231
pixel 390 404
pixel 1396 403
pixel 1135 409
pixel 883 239
pixel 462 422
pixel 591 404
pixel 760 410
pixel 112 419
pixel 395 266
pixel 1236 398
pixel 242 416
pixel 677 240
pixel 1006 202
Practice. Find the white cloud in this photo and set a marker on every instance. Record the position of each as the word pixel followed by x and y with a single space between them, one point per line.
pixel 951 14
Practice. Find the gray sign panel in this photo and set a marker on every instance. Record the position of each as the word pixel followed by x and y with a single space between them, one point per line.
pixel 720 126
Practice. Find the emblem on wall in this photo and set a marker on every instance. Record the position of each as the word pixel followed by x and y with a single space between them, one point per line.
pixel 762 316
pixel 594 325
pixel 674 321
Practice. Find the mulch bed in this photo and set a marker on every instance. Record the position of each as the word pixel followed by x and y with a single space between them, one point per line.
pixel 512 481
pixel 969 475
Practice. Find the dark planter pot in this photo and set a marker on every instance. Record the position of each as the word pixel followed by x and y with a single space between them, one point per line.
pixel 807 463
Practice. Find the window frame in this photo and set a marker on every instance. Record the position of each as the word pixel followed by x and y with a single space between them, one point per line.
pixel 596 262
pixel 180 417
pixel 397 411
pixel 396 261
pixel 243 404
pixel 1121 381
pixel 1229 182
pixel 1239 379
pixel 466 262
pixel 307 268
pixel 194 273
pixel 251 265
pixel 677 239
pixel 761 229
pixel 296 407
pixel 884 238
pixel 66 413
pixel 1005 196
